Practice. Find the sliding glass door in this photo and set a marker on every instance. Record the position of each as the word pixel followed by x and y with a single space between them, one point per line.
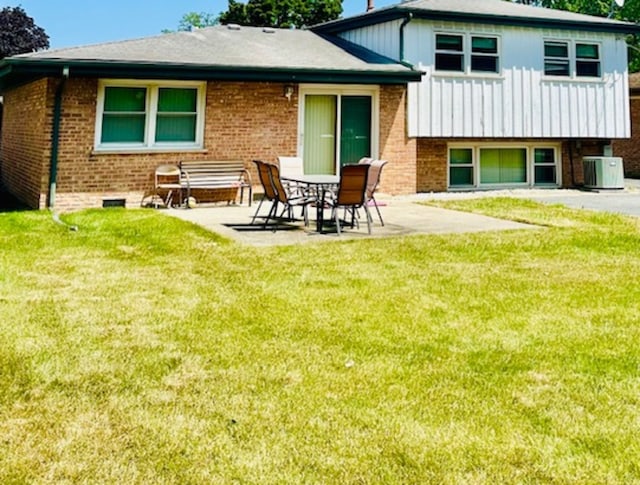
pixel 355 132
pixel 337 130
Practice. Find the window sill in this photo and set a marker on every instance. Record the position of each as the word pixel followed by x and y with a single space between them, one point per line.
pixel 145 150
pixel 469 76
pixel 572 80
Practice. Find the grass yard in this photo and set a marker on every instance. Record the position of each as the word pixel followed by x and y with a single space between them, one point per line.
pixel 141 349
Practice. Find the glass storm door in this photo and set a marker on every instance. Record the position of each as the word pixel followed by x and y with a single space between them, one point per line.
pixel 337 130
pixel 320 134
pixel 355 133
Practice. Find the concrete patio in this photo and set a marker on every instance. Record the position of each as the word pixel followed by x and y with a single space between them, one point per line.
pixel 402 216
pixel 405 216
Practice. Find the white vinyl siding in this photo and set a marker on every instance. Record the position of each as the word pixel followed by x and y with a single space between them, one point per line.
pixel 519 102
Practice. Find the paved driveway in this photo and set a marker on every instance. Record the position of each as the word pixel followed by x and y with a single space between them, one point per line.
pixel 625 201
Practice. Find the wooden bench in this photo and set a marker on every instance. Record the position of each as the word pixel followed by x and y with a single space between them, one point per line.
pixel 213 174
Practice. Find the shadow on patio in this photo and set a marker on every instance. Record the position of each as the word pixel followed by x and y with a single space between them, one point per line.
pixel 401 216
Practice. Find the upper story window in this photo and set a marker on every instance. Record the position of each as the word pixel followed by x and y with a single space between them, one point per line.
pixel 449 52
pixel 484 54
pixel 587 60
pixel 556 58
pixel 150 116
pixel 467 53
pixel 564 58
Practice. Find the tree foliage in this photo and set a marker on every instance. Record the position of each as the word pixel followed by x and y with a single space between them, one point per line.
pixel 630 12
pixel 19 34
pixel 197 20
pixel 281 13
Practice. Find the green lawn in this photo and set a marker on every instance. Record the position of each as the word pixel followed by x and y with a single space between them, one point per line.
pixel 141 349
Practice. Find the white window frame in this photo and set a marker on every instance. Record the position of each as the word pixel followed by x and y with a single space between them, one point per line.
pixel 467 54
pixel 573 58
pixel 152 89
pixel 530 164
pixel 341 90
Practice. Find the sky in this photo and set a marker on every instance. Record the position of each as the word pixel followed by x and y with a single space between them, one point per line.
pixel 80 22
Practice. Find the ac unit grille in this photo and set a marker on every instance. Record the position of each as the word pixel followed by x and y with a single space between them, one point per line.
pixel 603 172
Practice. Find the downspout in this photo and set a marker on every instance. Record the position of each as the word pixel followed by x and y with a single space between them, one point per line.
pixel 55 138
pixel 404 23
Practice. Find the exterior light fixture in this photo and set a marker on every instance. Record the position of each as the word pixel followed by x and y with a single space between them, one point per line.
pixel 288 91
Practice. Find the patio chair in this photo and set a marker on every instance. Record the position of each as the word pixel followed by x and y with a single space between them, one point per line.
pixel 167 181
pixel 351 194
pixel 292 167
pixel 269 192
pixel 373 180
pixel 287 199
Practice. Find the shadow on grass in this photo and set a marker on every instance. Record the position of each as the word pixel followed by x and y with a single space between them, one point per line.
pixel 8 203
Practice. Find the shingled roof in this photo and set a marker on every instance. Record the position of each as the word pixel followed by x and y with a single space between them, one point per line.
pixel 220 52
pixel 481 11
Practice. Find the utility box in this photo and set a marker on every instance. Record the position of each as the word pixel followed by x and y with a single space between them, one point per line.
pixel 603 173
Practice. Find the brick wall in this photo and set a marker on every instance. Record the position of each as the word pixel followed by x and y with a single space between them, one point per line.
pixel 432 165
pixel 399 175
pixel 629 149
pixel 432 160
pixel 26 136
pixel 244 121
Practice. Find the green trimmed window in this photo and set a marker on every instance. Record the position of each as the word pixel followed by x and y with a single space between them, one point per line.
pixel 564 58
pixel 556 58
pixel 460 167
pixel 484 165
pixel 587 60
pixel 544 166
pixel 150 116
pixel 484 54
pixel 125 111
pixel 177 115
pixel 465 53
pixel 449 52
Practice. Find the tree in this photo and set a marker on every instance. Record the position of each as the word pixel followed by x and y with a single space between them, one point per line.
pixel 281 13
pixel 196 20
pixel 19 34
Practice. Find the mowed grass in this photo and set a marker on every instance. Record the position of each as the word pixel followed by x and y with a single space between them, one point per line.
pixel 141 349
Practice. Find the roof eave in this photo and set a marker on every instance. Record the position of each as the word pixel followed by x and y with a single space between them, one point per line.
pixel 388 15
pixel 37 68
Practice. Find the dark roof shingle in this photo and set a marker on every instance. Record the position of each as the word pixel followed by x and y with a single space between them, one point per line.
pixel 482 11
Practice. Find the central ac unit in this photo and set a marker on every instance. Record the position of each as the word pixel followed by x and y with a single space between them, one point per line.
pixel 603 173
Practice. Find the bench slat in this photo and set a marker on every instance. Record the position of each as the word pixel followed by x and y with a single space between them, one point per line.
pixel 212 174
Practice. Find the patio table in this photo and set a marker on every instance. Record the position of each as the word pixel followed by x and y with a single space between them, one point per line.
pixel 320 183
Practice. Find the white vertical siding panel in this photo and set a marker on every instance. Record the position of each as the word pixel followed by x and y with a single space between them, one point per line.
pixel 520 102
pixel 469 112
pixel 478 110
pixel 381 38
pixel 516 93
pixel 457 107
